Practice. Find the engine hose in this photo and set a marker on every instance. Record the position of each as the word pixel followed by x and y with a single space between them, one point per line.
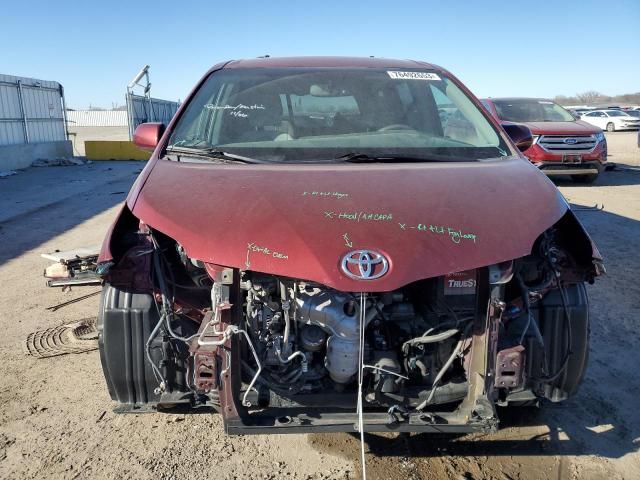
pixel 298 353
pixel 441 373
pixel 449 392
pixel 445 368
pixel 527 305
pixel 439 337
pixel 278 388
pixel 565 360
pixel 162 383
pixel 286 306
pixel 293 376
pixel 166 314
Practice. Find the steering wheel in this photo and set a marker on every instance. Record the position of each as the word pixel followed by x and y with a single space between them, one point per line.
pixel 395 126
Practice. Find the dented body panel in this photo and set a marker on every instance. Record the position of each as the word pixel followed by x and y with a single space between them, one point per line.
pixel 247 287
pixel 429 219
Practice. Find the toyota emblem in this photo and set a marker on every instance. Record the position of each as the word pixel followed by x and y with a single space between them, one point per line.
pixel 364 265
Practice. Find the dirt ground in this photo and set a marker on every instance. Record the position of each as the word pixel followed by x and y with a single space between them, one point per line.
pixel 56 418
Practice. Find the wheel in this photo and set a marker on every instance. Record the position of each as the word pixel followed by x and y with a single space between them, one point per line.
pixel 584 178
pixel 611 127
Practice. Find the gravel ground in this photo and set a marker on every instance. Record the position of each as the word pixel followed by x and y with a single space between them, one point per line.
pixel 55 414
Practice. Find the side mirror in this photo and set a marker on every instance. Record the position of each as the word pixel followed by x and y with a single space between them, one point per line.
pixel 147 135
pixel 520 134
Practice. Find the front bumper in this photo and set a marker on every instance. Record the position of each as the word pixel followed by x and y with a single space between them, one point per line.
pixel 280 421
pixel 584 168
pixel 569 163
pixel 631 126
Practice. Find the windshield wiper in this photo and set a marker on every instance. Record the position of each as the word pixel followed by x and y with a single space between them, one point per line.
pixel 213 153
pixel 358 157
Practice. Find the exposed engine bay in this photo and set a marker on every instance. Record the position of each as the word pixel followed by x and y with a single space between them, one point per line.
pixel 272 352
pixel 308 338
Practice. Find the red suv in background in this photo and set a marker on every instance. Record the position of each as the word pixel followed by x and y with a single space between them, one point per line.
pixel 562 144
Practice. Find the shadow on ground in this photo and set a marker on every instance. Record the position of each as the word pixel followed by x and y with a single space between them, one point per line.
pixel 621 175
pixel 39 204
pixel 560 438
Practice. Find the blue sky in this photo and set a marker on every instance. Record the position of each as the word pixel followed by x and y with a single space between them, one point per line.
pixel 518 48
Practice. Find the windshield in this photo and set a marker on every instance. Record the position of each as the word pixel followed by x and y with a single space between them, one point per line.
pixel 530 110
pixel 317 114
pixel 616 113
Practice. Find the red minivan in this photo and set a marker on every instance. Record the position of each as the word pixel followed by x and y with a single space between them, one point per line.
pixel 563 145
pixel 319 242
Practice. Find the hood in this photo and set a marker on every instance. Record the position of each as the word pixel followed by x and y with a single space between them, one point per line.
pixel 578 127
pixel 299 221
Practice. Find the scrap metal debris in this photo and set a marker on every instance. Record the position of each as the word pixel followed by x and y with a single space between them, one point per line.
pixel 60 162
pixel 73 268
pixel 76 337
pixel 75 300
pixel 593 208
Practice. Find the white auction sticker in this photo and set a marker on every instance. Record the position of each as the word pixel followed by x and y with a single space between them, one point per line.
pixel 413 75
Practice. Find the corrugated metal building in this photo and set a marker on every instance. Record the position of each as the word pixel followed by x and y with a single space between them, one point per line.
pixel 31 111
pixel 97 118
pixel 32 121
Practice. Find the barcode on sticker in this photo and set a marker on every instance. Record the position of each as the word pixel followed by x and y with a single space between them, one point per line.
pixel 413 75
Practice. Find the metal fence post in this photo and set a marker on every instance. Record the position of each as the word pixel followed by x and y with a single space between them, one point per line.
pixel 151 117
pixel 130 115
pixel 145 108
pixel 64 114
pixel 23 112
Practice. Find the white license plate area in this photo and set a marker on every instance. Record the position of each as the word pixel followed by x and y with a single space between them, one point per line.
pixel 572 159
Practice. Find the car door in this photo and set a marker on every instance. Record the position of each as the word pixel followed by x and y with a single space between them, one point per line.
pixel 617 120
pixel 596 118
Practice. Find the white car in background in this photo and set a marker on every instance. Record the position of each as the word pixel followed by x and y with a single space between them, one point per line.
pixel 611 120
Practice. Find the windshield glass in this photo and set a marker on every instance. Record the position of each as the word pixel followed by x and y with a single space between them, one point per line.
pixel 616 113
pixel 530 110
pixel 316 114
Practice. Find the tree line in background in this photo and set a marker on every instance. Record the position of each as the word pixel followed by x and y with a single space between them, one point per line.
pixel 597 98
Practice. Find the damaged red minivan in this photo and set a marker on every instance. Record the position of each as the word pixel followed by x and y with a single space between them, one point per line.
pixel 312 234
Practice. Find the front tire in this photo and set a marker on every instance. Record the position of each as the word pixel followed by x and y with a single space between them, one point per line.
pixel 611 127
